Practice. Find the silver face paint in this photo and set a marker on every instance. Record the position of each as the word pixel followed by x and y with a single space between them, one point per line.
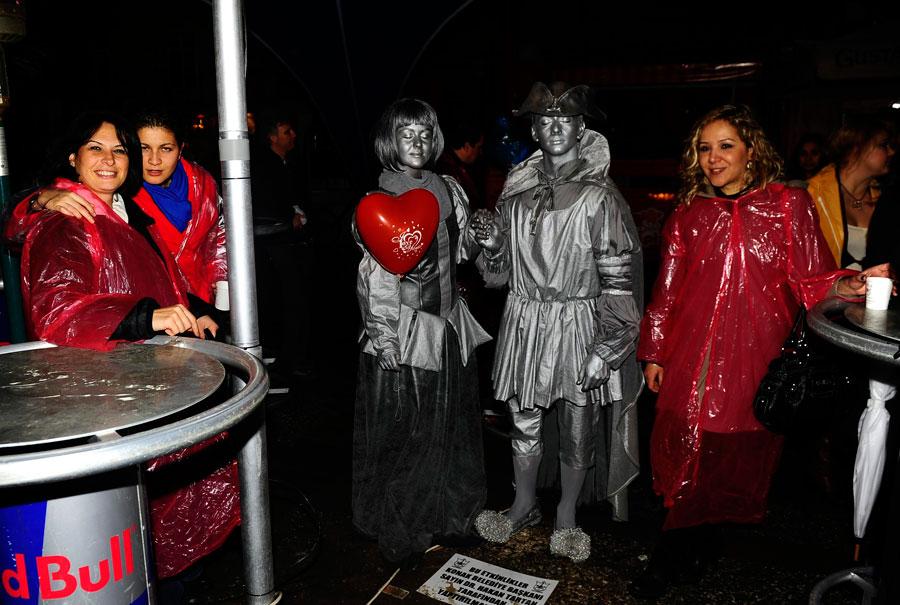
pixel 415 143
pixel 558 135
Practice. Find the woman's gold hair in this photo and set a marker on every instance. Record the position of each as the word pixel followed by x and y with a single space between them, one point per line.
pixel 854 137
pixel 764 168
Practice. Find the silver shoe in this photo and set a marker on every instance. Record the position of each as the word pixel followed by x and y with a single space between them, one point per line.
pixel 496 527
pixel 570 542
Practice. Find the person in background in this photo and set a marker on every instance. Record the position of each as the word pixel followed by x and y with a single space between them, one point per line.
pixel 418 464
pixel 808 157
pixel 563 240
pixel 741 253
pixel 278 180
pixel 846 194
pixel 279 188
pixel 847 191
pixel 883 246
pixel 465 140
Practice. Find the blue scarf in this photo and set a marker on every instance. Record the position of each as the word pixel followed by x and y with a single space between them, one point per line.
pixel 173 200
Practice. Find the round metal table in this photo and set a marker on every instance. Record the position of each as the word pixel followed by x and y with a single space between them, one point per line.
pixel 60 394
pixel 72 413
pixel 874 335
pixel 878 337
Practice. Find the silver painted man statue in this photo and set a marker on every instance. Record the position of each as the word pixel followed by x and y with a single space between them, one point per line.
pixel 564 242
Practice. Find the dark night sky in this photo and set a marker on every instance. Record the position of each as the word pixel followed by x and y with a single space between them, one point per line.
pixel 84 55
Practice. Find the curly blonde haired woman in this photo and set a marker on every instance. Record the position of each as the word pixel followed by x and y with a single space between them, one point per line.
pixel 741 252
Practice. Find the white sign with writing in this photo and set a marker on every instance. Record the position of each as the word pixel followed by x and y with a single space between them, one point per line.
pixel 473 582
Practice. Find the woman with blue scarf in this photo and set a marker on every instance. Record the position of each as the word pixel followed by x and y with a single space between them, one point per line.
pixel 182 198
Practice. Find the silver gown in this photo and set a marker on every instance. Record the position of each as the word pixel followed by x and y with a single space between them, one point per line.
pixel 418 469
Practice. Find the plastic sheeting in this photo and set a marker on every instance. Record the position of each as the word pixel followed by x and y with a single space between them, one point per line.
pixel 732 275
pixel 193 507
pixel 79 281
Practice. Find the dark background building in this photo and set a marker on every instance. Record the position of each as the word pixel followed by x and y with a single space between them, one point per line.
pixel 337 64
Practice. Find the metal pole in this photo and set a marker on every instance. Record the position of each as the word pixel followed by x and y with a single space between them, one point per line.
pixel 234 155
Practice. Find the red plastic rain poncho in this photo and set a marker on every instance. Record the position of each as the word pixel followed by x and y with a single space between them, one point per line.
pixel 200 249
pixel 79 281
pixel 732 274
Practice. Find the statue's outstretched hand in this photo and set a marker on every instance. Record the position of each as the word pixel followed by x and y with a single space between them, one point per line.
pixel 485 230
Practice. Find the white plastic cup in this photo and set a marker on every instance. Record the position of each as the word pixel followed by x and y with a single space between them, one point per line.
pixel 222 303
pixel 878 293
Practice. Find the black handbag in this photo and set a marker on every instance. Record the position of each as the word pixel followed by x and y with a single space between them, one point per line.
pixel 801 377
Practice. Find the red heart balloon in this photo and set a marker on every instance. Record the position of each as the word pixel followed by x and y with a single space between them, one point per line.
pixel 397 230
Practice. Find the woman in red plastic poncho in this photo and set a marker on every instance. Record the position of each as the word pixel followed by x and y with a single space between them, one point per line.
pixel 183 200
pixel 179 195
pixel 740 253
pixel 95 283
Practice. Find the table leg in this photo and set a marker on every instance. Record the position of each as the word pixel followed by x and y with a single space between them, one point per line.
pixel 256 530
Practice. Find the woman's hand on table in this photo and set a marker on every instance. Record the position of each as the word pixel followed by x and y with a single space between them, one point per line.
pixel 207 323
pixel 175 320
pixel 654 374
pixel 855 285
pixel 64 202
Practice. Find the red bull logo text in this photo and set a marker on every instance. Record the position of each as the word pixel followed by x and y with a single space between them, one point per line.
pixel 58 580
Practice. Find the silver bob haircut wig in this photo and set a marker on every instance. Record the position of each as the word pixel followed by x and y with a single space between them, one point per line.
pixel 399 114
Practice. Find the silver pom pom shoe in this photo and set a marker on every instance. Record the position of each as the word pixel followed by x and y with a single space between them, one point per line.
pixel 570 542
pixel 496 527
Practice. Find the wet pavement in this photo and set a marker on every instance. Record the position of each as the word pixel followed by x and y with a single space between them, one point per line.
pixel 320 560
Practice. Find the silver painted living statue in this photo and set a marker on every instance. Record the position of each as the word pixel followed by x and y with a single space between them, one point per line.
pixel 564 241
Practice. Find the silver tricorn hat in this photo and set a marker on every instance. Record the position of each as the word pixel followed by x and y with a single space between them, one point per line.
pixel 559 99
